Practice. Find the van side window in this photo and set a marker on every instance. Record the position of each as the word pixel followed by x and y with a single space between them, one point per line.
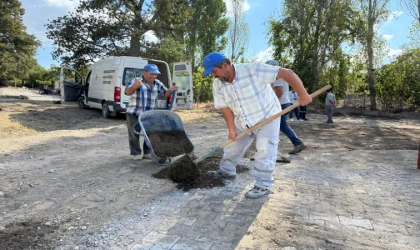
pixel 182 80
pixel 130 73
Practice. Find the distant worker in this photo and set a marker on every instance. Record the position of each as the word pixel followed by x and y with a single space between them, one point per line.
pixel 293 96
pixel 281 88
pixel 244 94
pixel 329 105
pixel 302 112
pixel 152 87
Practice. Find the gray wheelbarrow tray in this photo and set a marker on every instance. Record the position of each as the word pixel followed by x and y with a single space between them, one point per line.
pixel 159 120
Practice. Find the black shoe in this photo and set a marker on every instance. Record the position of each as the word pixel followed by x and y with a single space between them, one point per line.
pixel 297 149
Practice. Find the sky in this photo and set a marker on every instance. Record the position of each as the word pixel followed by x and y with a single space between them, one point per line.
pixel 40 12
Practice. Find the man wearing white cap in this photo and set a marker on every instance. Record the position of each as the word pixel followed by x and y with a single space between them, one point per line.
pixel 244 94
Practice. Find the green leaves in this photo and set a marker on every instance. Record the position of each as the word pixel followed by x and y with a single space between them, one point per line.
pixel 398 83
pixel 17 48
pixel 309 35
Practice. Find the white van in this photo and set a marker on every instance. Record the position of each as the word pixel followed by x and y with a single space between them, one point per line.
pixel 104 86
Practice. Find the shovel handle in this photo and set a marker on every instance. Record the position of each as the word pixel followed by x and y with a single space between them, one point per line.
pixel 258 125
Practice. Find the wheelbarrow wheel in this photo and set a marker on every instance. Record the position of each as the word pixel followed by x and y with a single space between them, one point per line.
pixel 162 160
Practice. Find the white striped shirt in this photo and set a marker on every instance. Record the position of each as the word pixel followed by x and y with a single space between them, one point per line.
pixel 249 96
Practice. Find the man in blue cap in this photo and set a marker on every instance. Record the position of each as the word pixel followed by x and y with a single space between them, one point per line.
pixel 243 92
pixel 152 87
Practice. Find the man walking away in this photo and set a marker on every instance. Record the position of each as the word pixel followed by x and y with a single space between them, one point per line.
pixel 329 105
pixel 293 96
pixel 281 88
pixel 302 112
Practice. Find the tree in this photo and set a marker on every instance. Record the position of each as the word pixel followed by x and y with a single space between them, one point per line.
pixel 411 8
pixel 238 32
pixel 100 28
pixel 205 29
pixel 414 36
pixel 399 82
pixel 204 35
pixel 311 32
pixel 375 12
pixel 17 48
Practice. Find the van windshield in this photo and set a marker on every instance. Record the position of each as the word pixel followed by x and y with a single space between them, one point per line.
pixel 130 73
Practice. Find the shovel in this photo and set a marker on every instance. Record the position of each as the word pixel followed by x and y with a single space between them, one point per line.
pixel 268 120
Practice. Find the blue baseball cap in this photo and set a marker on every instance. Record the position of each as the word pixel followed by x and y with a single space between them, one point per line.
pixel 210 60
pixel 152 68
pixel 273 62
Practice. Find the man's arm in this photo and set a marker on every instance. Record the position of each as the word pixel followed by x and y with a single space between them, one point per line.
pixel 332 101
pixel 290 77
pixel 230 122
pixel 130 90
pixel 169 92
pixel 279 91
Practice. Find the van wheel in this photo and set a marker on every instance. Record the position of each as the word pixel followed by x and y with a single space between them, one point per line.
pixel 105 111
pixel 81 103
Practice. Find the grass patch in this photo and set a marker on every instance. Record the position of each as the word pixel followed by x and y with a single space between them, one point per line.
pixel 10 129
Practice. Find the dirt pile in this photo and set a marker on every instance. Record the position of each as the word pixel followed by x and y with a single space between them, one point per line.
pixel 202 180
pixel 184 170
pixel 26 235
pixel 170 143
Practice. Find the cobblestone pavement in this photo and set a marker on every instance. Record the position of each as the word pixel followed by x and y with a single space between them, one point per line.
pixel 324 199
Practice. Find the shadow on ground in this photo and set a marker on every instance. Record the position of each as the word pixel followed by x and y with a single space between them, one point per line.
pixel 46 116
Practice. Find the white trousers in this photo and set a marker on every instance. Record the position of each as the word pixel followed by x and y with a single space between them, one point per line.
pixel 267 139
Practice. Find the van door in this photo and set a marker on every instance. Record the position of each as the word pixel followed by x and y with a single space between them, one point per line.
pixel 71 85
pixel 182 76
pixel 128 74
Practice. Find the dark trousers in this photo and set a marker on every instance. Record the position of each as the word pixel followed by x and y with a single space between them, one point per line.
pixel 286 129
pixel 133 138
pixel 302 112
pixel 296 111
pixel 329 109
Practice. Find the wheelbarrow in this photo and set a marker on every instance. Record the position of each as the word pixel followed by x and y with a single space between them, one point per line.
pixel 161 120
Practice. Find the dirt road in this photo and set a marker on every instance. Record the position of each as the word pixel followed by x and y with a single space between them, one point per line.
pixel 65 172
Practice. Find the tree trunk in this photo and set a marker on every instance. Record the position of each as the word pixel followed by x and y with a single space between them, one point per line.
pixel 315 59
pixel 418 10
pixel 134 44
pixel 136 34
pixel 371 75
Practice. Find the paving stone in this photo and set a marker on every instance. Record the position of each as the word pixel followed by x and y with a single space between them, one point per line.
pixel 161 240
pixel 392 228
pixel 188 244
pixel 142 246
pixel 324 217
pixel 362 223
pixel 220 246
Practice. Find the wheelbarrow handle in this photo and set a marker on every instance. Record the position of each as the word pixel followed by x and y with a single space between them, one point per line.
pixel 173 97
pixel 172 100
pixel 134 129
